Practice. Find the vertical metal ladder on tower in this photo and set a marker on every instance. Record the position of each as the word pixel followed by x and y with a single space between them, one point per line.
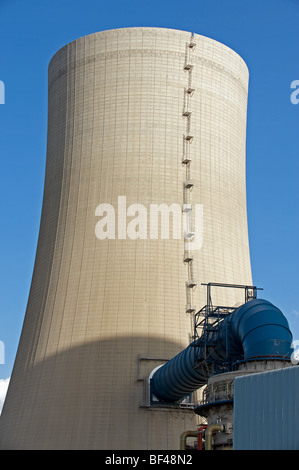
pixel 188 182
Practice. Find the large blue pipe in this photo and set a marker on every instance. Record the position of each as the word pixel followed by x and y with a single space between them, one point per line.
pixel 257 329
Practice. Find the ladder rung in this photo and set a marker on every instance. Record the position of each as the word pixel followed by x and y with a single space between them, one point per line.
pixel 190 309
pixel 190 90
pixel 189 235
pixel 189 184
pixel 191 283
pixel 192 42
pixel 186 160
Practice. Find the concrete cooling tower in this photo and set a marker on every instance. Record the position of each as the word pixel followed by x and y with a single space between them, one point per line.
pixel 144 201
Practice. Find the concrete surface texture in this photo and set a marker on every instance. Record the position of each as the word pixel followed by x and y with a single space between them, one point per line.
pixel 111 297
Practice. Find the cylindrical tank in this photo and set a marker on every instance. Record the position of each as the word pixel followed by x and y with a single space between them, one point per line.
pixel 137 117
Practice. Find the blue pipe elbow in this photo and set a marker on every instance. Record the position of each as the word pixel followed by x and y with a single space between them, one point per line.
pixel 261 329
pixel 255 330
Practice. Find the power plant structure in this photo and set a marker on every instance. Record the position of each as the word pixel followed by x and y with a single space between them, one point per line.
pixel 142 311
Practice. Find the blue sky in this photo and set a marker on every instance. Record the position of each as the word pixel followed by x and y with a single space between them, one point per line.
pixel 265 33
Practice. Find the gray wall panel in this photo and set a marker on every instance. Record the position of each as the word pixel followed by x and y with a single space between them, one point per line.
pixel 266 410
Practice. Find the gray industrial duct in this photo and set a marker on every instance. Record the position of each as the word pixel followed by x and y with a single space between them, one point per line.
pixel 256 330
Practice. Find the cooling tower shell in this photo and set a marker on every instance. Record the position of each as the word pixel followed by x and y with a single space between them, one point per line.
pixel 102 313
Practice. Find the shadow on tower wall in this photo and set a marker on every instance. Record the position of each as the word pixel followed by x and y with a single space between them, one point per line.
pixel 67 401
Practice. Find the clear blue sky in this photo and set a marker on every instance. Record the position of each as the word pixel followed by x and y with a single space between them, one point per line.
pixel 265 33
